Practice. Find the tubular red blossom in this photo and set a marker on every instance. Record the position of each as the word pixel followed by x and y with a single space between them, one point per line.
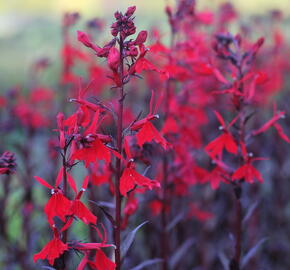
pixel 114 58
pixel 57 206
pixel 82 212
pixel 149 133
pixel 96 150
pixel 247 172
pixel 102 262
pixel 52 250
pixel 281 133
pixel 201 215
pixel 270 123
pixel 224 141
pixel 130 11
pixel 130 178
pixel 141 38
pixel 84 38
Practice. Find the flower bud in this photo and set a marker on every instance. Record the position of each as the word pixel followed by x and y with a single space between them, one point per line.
pixel 114 58
pixel 84 38
pixel 130 11
pixel 141 38
pixel 60 119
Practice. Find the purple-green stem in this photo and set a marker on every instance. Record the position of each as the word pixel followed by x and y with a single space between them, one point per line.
pixel 235 262
pixel 164 234
pixel 117 225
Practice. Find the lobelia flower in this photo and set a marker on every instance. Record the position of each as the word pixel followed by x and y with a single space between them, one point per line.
pixel 271 122
pixel 58 205
pixel 201 215
pixel 224 141
pixel 77 208
pixel 146 132
pixel 216 176
pixel 102 262
pixel 248 172
pixel 53 249
pixel 95 148
pixel 130 177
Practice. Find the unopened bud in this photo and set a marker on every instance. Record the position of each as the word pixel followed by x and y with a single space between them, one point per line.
pixel 84 38
pixel 60 118
pixel 130 11
pixel 141 38
pixel 114 58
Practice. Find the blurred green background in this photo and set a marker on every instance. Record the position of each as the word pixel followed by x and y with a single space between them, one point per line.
pixel 30 29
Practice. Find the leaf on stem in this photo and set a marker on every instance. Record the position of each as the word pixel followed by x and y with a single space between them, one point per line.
pixel 252 252
pixel 180 253
pixel 128 241
pixel 147 263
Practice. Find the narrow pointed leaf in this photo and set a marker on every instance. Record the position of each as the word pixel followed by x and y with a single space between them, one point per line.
pixel 147 263
pixel 180 253
pixel 224 260
pixel 128 241
pixel 249 213
pixel 252 252
pixel 175 221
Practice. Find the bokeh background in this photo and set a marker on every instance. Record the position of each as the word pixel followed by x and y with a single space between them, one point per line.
pixel 30 29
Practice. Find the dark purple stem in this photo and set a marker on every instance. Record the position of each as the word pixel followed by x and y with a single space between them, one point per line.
pixel 117 227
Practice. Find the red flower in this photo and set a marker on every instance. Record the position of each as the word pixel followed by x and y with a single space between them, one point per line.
pixel 97 150
pixel 149 133
pixel 224 141
pixel 270 123
pixel 146 131
pixel 156 207
pixel 216 176
pixel 130 178
pixel 249 173
pixel 58 205
pixel 102 262
pixel 114 58
pixel 82 212
pixel 201 215
pixel 52 250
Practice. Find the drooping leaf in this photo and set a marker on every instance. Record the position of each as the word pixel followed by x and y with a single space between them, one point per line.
pixel 174 222
pixel 180 253
pixel 249 212
pixel 128 241
pixel 147 263
pixel 224 260
pixel 249 255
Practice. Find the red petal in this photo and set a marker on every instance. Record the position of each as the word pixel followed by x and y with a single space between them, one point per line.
pixel 102 262
pixel 149 133
pixel 72 183
pixel 51 251
pixel 83 213
pixel 43 182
